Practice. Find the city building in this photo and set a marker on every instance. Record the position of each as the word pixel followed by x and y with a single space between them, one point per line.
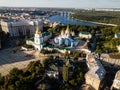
pixel 116 82
pixel 86 35
pixel 39 39
pixel 66 38
pixel 96 72
pixel 20 27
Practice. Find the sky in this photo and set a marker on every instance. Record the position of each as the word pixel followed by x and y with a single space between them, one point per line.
pixel 62 3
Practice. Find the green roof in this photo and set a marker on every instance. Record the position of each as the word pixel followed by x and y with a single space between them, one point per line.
pixel 45 34
pixel 31 39
pixel 118 35
pixel 82 32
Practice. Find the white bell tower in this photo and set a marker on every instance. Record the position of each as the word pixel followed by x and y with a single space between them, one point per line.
pixel 38 39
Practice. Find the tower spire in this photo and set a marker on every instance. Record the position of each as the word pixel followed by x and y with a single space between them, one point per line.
pixel 62 32
pixel 67 29
pixel 37 30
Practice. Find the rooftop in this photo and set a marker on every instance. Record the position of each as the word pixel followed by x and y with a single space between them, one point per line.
pixel 45 34
pixel 19 22
pixel 83 32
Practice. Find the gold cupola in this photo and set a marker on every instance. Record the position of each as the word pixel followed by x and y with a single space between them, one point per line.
pixel 62 32
pixel 67 29
pixel 37 30
pixel 72 33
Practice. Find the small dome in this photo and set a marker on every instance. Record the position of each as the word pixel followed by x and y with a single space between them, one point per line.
pixel 67 29
pixel 73 33
pixel 62 32
pixel 37 30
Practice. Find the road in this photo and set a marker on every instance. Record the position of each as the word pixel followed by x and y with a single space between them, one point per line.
pixel 20 59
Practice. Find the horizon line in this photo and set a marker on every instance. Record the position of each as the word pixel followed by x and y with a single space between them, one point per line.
pixel 60 7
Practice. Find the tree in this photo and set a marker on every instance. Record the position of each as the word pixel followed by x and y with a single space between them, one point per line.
pixel 35 67
pixel 11 87
pixel 15 72
pixel 46 62
pixel 65 73
pixel 26 38
pixel 75 55
pixel 42 86
pixel 116 29
pixel 18 43
pixel 1 79
pixel 66 54
pixel 52 30
pixel 73 82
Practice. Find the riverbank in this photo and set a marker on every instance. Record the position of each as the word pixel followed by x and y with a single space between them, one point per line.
pixel 114 25
pixel 102 17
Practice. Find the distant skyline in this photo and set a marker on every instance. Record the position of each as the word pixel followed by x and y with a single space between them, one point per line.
pixel 62 3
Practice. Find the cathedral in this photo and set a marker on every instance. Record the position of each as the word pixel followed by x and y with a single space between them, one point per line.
pixel 39 39
pixel 67 38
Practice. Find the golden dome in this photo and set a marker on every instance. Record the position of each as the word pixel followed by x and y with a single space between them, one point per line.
pixel 73 33
pixel 62 32
pixel 37 30
pixel 67 29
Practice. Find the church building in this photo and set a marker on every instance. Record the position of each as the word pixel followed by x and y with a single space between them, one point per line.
pixel 67 38
pixel 39 39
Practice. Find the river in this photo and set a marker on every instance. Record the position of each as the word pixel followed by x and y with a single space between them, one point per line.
pixel 65 19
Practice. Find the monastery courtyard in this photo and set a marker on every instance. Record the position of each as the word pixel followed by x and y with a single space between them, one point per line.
pixel 15 57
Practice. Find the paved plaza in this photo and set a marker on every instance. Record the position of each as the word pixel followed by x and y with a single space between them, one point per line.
pixel 15 57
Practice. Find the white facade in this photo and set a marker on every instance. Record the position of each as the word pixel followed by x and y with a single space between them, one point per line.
pixel 116 82
pixel 19 27
pixel 96 72
pixel 38 41
pixel 86 35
